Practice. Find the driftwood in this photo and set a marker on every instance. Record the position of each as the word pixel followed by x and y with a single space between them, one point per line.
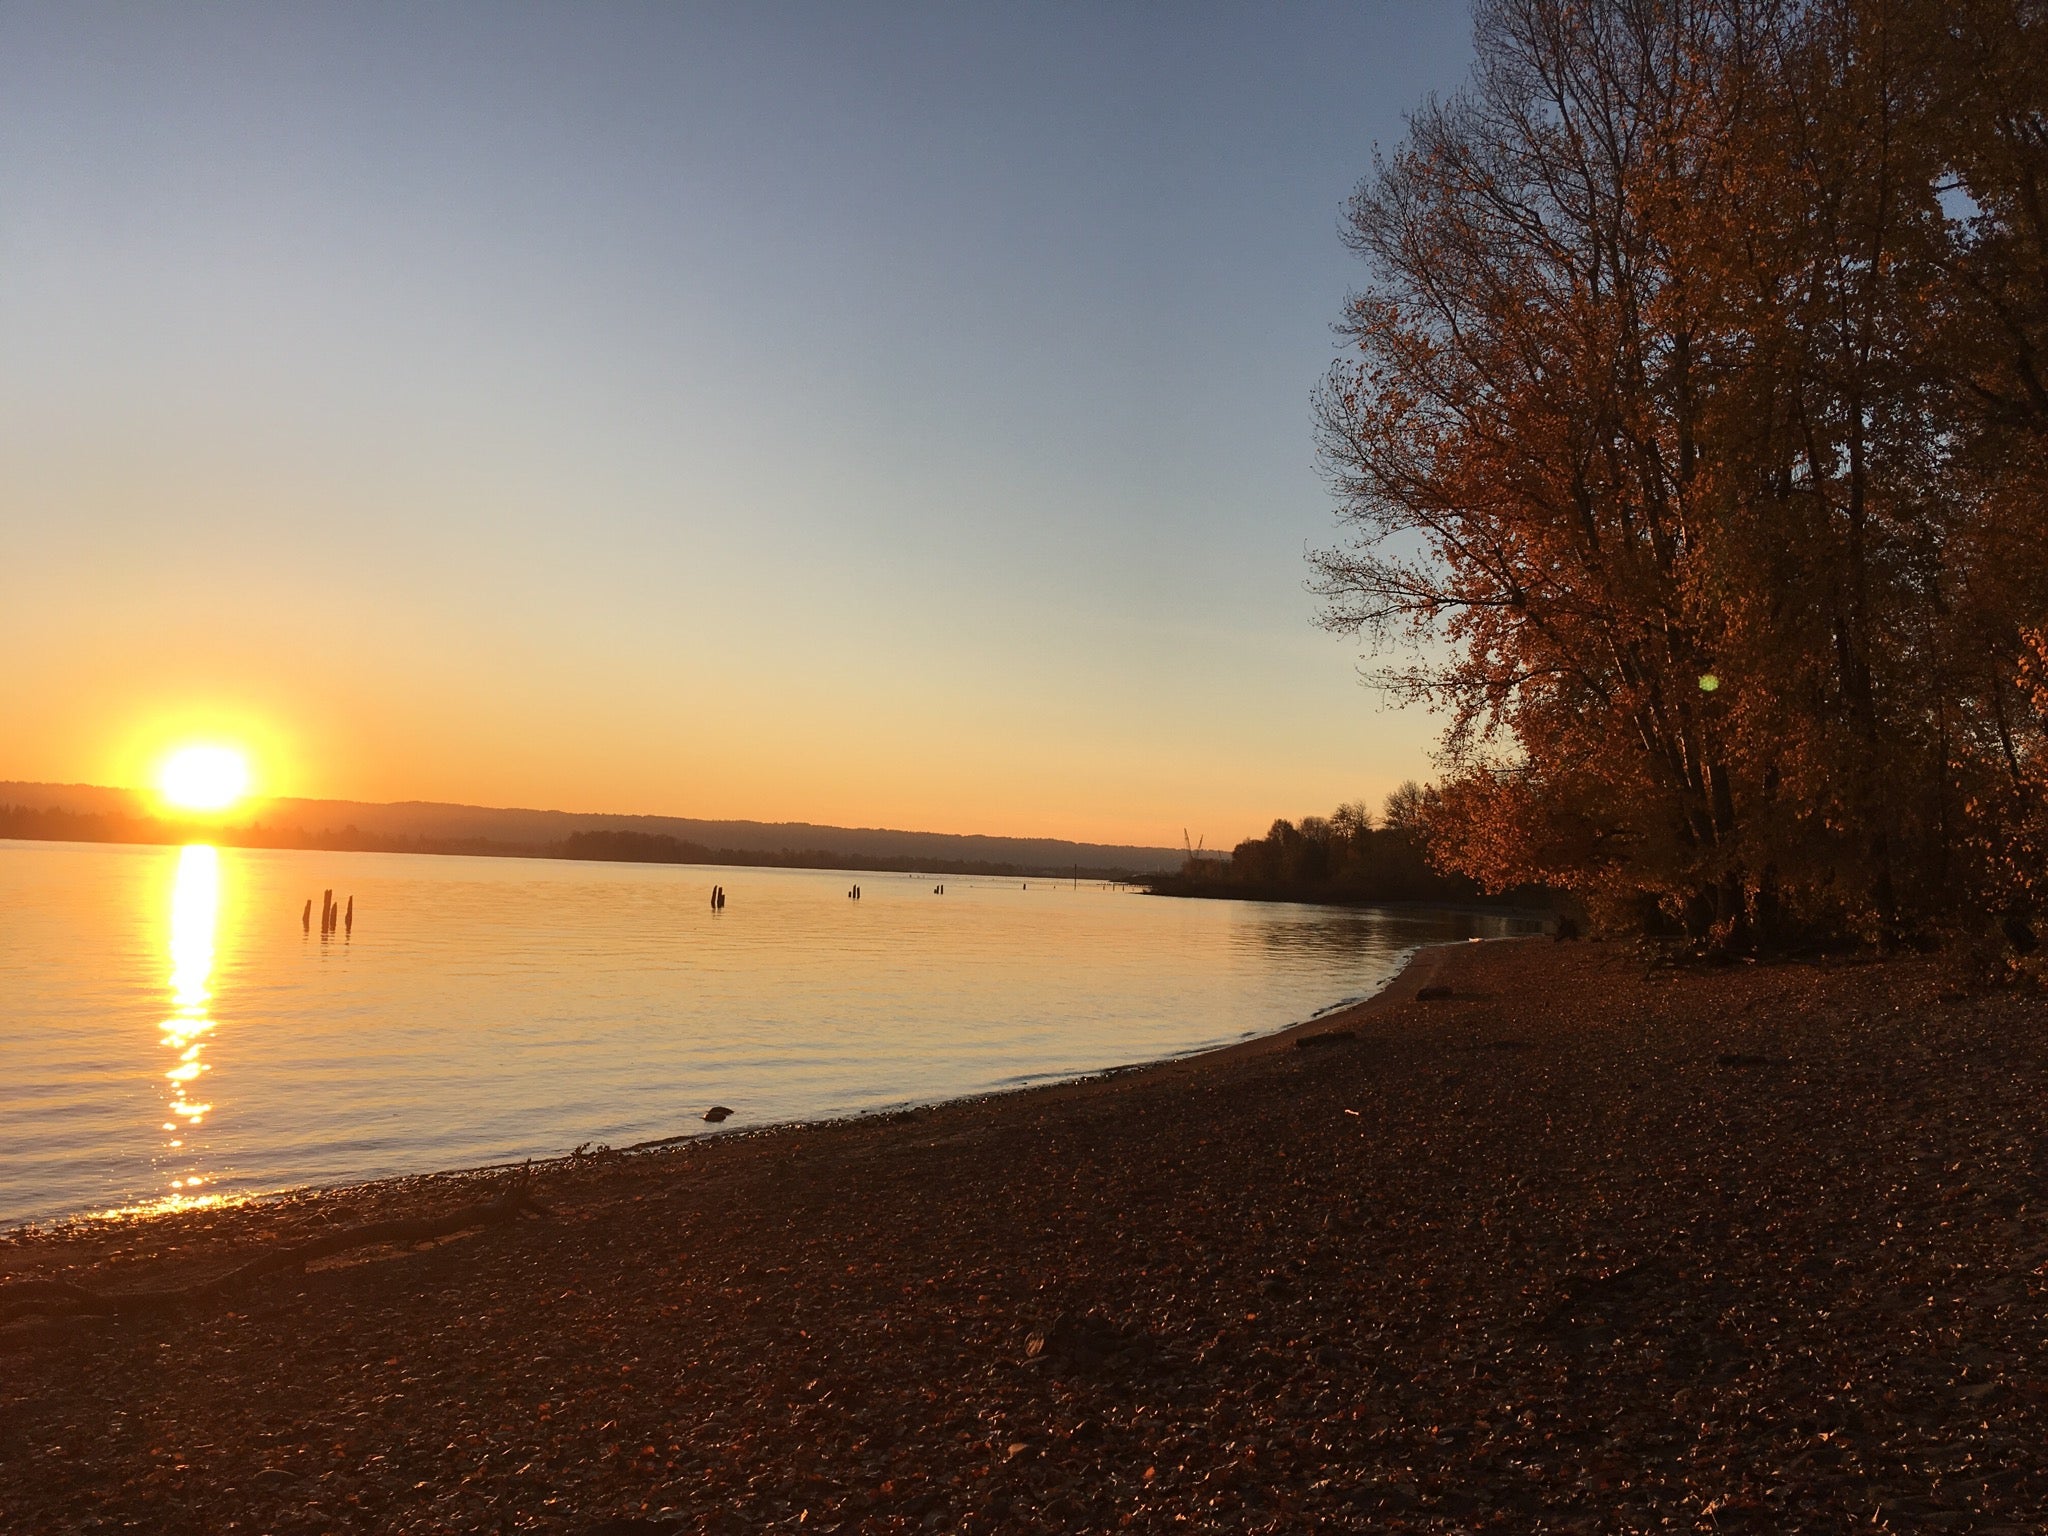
pixel 24 1298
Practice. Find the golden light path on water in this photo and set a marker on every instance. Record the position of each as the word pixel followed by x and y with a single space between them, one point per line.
pixel 178 1031
pixel 195 925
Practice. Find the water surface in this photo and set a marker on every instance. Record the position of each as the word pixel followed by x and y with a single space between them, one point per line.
pixel 168 1033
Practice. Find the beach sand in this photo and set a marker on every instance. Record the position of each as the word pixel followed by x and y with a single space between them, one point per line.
pixel 1588 1245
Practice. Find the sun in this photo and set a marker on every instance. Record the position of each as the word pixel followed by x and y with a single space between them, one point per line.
pixel 204 778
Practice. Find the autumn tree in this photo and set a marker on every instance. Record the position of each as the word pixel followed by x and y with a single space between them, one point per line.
pixel 1988 117
pixel 1657 432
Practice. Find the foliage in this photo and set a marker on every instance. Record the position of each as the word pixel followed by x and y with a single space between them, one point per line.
pixel 1344 857
pixel 1693 423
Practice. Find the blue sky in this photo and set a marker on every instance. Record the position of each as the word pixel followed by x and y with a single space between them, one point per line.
pixel 875 414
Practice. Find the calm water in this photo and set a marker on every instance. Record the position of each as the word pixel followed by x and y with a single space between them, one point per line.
pixel 169 1034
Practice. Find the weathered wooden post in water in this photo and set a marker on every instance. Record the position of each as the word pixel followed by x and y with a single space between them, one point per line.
pixel 349 922
pixel 306 917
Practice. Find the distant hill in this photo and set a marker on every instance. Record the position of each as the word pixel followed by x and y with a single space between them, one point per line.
pixel 87 812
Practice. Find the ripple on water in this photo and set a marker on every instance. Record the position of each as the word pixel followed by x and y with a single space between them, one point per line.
pixel 173 1036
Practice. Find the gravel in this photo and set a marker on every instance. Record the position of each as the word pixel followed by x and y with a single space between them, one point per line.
pixel 1585 1245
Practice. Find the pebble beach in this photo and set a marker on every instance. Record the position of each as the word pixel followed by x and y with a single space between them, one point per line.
pixel 1578 1243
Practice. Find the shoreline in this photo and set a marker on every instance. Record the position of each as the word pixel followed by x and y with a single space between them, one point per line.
pixel 1584 1245
pixel 87 1222
pixel 1545 917
pixel 996 1096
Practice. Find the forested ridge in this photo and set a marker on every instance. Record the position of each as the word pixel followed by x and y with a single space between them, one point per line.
pixel 56 824
pixel 1691 441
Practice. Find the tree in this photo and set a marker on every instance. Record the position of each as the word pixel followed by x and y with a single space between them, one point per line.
pixel 1671 422
pixel 1352 819
pixel 1406 809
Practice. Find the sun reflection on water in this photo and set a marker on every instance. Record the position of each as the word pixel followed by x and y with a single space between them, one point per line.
pixel 195 921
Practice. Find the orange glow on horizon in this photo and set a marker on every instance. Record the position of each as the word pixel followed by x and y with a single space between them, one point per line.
pixel 388 731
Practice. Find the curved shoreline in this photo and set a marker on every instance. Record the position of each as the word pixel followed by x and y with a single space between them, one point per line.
pixel 489 1037
pixel 1580 1235
pixel 87 1221
pixel 384 1194
pixel 1276 1039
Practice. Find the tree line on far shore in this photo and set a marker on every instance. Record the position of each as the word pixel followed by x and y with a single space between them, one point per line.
pixel 1349 857
pixel 54 824
pixel 1693 426
pixel 663 848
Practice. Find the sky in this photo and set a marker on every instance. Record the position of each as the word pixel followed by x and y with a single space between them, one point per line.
pixel 881 415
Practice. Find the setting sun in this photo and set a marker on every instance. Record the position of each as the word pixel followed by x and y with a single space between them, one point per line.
pixel 204 778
